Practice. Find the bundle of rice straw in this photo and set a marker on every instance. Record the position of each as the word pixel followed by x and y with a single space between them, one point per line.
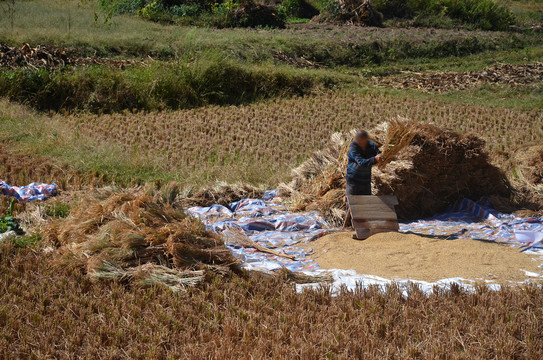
pixel 526 163
pixel 222 193
pixel 399 135
pixel 112 234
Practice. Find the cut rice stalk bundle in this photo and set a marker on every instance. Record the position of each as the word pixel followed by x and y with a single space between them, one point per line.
pixel 301 278
pixel 222 193
pixel 399 135
pixel 238 237
pixel 113 236
pixel 147 275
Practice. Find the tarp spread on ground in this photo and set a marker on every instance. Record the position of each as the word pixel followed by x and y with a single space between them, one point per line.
pixel 470 220
pixel 31 192
pixel 270 225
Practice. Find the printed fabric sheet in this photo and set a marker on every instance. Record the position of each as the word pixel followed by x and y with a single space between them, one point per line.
pixel 31 192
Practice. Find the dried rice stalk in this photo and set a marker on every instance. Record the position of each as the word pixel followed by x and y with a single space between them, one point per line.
pixel 399 135
pixel 114 234
pixel 147 275
pixel 222 193
pixel 236 236
pixel 301 278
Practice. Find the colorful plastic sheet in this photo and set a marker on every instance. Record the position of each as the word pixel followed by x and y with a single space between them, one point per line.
pixel 31 192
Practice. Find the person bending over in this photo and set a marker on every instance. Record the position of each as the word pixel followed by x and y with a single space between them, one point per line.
pixel 363 154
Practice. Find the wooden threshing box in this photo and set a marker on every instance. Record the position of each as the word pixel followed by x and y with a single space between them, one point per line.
pixel 373 214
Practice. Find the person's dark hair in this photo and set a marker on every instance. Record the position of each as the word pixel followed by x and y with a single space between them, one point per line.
pixel 362 134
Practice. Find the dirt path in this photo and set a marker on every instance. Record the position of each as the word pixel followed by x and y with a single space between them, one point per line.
pixel 396 255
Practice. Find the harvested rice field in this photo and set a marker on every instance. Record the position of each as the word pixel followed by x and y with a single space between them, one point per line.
pixel 409 256
pixel 173 179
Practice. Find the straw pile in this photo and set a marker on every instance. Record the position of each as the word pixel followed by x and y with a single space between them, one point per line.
pixel 222 193
pixel 354 12
pixel 399 135
pixel 527 176
pixel 252 14
pixel 138 236
pixel 50 57
pixel 437 167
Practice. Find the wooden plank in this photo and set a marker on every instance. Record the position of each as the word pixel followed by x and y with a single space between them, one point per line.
pixel 362 233
pixel 375 215
pixel 371 199
pixel 369 208
pixel 380 224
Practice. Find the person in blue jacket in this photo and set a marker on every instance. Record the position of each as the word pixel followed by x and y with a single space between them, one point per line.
pixel 363 154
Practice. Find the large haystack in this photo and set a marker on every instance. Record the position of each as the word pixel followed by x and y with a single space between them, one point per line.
pixel 438 167
pixel 140 236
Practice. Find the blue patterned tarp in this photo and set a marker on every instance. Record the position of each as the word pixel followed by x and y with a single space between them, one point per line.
pixel 273 226
pixel 31 192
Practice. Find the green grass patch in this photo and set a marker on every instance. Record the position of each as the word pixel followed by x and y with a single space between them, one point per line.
pixel 8 222
pixel 176 85
pixel 58 210
pixel 472 14
pixel 26 240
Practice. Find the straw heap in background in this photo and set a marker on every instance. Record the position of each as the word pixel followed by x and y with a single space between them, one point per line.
pixel 427 169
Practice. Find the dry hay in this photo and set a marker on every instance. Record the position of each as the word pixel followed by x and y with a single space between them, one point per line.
pixel 49 57
pixel 222 193
pixel 527 176
pixel 355 12
pixel 251 14
pixel 399 134
pixel 137 235
pixel 19 169
pixel 507 74
pixel 438 167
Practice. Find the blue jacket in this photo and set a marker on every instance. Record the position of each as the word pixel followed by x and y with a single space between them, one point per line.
pixel 360 162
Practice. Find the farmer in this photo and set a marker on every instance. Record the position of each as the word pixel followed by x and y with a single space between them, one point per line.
pixel 363 154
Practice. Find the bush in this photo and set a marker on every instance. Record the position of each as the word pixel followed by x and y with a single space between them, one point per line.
pixel 251 14
pixel 481 14
pixel 186 10
pixel 158 86
pixel 156 10
pixel 299 9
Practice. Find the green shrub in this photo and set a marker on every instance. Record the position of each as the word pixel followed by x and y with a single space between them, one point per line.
pixel 154 11
pixel 481 14
pixel 8 222
pixel 157 86
pixel 26 240
pixel 57 210
pixel 186 10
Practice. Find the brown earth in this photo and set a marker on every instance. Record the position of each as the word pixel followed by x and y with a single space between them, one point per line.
pixel 397 255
